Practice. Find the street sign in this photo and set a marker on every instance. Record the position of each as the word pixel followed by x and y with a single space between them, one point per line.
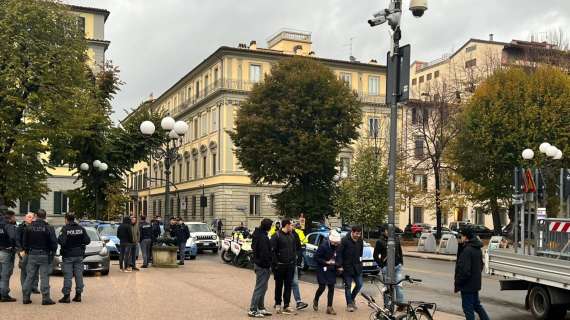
pixel 517 198
pixel 541 214
pixel 403 64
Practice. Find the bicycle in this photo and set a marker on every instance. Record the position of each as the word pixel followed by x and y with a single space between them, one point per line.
pixel 415 310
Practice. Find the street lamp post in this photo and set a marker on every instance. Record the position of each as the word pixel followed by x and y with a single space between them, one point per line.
pixel 549 151
pixel 393 15
pixel 175 130
pixel 98 169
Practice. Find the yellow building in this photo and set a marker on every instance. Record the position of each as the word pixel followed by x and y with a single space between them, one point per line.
pixel 207 98
pixel 61 179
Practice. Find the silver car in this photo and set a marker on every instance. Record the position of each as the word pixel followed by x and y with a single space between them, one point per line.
pixel 96 257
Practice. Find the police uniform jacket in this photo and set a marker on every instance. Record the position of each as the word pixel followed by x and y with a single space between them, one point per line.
pixel 145 231
pixel 73 239
pixel 39 236
pixel 7 236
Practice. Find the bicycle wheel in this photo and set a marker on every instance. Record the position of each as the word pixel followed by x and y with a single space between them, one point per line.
pixel 418 314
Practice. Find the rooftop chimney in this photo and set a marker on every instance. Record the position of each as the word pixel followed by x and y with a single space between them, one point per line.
pixel 312 53
pixel 253 45
pixel 490 37
pixel 373 61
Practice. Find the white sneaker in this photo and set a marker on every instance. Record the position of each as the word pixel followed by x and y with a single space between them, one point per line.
pixel 264 312
pixel 255 314
pixel 278 309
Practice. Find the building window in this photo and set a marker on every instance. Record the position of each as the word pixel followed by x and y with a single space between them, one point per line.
pixel 204 166
pixel 178 206
pixel 428 76
pixel 436 74
pixel 421 180
pixel 195 128
pixel 418 215
pixel 145 179
pixel 373 127
pixel 197 89
pixel 414 81
pixel 171 206
pixel 470 63
pixel 471 48
pixel 160 207
pixel 444 218
pixel 189 92
pixel 254 73
pixel 188 170
pixel 206 84
pixel 373 86
pixel 214 115
pixel 60 202
pixel 193 206
pixel 154 207
pixel 414 115
pixel 422 79
pixel 212 205
pixel 180 172
pixel 81 25
pixel 204 124
pixel 185 206
pixel 255 205
pixel 344 167
pixel 215 77
pixel 196 168
pixel 418 147
pixel 347 78
pixel 173 174
pixel 214 164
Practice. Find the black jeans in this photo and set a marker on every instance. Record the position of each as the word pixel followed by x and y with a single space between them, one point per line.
pixel 124 256
pixel 283 279
pixel 330 293
pixel 471 305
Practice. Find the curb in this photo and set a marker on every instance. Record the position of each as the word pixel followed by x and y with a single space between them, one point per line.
pixel 429 256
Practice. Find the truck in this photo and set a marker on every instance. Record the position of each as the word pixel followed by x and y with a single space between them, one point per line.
pixel 540 266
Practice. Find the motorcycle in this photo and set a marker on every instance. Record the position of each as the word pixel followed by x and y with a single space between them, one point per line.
pixel 237 251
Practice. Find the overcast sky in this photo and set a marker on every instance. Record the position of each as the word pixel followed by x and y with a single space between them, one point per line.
pixel 156 42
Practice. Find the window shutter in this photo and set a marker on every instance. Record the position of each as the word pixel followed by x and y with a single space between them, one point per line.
pixel 23 206
pixel 57 202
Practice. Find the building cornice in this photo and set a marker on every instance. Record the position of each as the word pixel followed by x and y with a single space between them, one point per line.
pixel 104 12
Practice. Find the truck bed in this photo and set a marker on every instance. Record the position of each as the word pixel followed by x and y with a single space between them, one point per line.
pixel 536 269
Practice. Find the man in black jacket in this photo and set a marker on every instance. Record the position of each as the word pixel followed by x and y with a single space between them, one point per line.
pixel 28 219
pixel 468 275
pixel 7 253
pixel 125 235
pixel 381 258
pixel 261 247
pixel 40 244
pixel 284 260
pixel 72 240
pixel 182 234
pixel 349 262
pixel 145 232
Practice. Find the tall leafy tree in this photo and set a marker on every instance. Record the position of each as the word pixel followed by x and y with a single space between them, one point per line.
pixel 512 110
pixel 362 197
pixel 291 130
pixel 46 93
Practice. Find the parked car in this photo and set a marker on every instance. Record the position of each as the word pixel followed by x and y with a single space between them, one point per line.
pixel 444 230
pixel 110 232
pixel 482 231
pixel 96 256
pixel 416 229
pixel 205 238
pixel 458 225
pixel 191 251
pixel 314 239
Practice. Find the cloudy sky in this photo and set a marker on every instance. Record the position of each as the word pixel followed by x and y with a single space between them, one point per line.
pixel 156 42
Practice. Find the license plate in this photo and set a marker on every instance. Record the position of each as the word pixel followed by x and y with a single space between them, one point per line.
pixel 367 264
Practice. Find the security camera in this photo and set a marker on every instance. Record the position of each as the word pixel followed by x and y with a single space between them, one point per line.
pixel 418 7
pixel 377 21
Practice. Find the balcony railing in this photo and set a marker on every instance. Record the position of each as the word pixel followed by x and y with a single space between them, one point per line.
pixel 246 86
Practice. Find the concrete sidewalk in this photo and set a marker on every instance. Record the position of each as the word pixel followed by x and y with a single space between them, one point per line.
pixel 204 288
pixel 412 252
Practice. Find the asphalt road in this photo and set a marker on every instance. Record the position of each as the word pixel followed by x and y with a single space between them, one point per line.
pixel 437 286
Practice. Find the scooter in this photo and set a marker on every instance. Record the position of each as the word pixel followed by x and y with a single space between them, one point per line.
pixel 237 251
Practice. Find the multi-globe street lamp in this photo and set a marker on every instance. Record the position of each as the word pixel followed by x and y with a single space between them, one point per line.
pixel 98 169
pixel 175 130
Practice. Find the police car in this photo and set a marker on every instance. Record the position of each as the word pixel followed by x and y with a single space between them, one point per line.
pixel 96 256
pixel 203 236
pixel 109 230
pixel 314 240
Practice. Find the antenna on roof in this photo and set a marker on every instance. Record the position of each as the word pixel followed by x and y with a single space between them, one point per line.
pixel 351 57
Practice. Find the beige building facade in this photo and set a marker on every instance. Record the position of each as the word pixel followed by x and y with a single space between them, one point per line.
pixel 208 98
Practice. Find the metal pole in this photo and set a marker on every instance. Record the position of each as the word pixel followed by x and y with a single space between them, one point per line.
pixel 516 220
pixel 523 226
pixel 167 186
pixel 561 192
pixel 392 167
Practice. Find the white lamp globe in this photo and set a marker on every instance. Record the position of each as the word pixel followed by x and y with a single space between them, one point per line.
pixel 96 164
pixel 84 166
pixel 558 155
pixel 527 154
pixel 173 135
pixel 103 167
pixel 147 128
pixel 551 151
pixel 180 127
pixel 544 147
pixel 167 123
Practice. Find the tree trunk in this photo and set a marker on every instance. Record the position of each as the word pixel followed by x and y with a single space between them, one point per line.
pixel 496 213
pixel 436 171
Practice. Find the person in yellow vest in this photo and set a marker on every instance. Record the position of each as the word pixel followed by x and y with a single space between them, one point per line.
pixel 276 226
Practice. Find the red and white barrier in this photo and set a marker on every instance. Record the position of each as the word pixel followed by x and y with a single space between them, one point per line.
pixel 559 226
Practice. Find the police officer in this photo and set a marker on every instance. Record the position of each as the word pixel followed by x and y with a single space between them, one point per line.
pixel 40 244
pixel 28 219
pixel 7 254
pixel 146 236
pixel 72 239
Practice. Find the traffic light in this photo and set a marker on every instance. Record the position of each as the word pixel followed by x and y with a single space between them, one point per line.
pixel 203 201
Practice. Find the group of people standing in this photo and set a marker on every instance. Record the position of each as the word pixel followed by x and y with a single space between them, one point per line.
pixel 131 235
pixel 35 242
pixel 280 253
